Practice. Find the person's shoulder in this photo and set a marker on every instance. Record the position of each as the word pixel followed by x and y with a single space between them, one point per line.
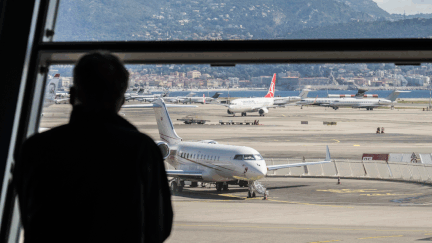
pixel 131 130
pixel 38 138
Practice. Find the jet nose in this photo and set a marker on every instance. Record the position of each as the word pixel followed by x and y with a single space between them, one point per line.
pixel 256 172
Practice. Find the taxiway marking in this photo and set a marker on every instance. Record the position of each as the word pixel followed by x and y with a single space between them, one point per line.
pixel 337 141
pixel 356 145
pixel 310 204
pixel 324 241
pixel 297 228
pixel 369 192
pixel 376 237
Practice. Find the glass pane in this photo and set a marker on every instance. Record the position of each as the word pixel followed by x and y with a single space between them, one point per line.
pixel 290 134
pixel 242 20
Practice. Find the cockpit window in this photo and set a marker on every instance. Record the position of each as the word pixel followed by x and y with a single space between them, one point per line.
pixel 238 157
pixel 249 157
pixel 258 156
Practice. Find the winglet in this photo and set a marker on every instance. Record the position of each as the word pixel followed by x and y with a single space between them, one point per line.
pixel 328 158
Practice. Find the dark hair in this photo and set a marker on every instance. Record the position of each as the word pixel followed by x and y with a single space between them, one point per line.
pixel 100 76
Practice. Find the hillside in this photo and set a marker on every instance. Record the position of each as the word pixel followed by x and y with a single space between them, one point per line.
pixel 409 28
pixel 201 19
pixel 367 6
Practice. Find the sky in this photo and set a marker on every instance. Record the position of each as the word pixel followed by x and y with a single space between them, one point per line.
pixel 410 6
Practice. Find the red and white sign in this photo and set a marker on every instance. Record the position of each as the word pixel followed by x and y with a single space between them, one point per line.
pixel 370 157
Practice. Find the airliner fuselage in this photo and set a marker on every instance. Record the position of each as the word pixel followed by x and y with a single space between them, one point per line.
pixel 249 104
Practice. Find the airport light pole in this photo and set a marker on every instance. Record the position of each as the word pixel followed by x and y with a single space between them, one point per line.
pixel 430 95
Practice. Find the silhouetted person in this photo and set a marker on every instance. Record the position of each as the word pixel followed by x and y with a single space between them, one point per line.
pixel 97 178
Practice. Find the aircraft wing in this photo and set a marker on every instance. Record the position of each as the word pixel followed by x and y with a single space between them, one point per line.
pixel 62 101
pixel 257 108
pixel 184 174
pixel 277 167
pixel 283 166
pixel 154 105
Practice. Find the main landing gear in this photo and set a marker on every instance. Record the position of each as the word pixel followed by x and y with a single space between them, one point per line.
pixel 221 186
pixel 177 186
pixel 243 114
pixel 335 108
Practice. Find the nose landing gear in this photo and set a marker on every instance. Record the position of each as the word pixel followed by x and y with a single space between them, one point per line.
pixel 258 187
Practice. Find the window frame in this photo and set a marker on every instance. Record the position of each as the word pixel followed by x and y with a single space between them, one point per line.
pixel 41 54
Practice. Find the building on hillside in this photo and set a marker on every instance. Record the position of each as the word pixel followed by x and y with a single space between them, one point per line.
pixel 233 81
pixel 194 74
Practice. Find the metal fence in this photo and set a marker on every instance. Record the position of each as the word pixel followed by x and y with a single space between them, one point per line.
pixel 401 171
pixel 417 172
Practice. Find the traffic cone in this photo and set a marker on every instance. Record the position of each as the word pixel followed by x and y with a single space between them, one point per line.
pixel 338 181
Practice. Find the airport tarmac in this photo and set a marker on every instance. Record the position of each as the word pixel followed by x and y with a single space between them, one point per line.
pixel 300 209
pixel 281 134
pixel 306 210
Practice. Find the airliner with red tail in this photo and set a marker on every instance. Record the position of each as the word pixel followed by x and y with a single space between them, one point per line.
pixel 260 105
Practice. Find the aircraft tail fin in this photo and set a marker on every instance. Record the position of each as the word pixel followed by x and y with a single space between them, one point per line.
pixel 191 94
pixel 271 91
pixel 52 87
pixel 165 126
pixel 204 99
pixel 304 93
pixel 216 95
pixel 328 158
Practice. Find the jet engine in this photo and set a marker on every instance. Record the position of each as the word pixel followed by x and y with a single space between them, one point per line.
pixel 229 112
pixel 164 148
pixel 263 111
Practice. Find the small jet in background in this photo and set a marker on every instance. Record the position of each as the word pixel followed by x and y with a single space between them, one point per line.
pixel 201 100
pixel 368 104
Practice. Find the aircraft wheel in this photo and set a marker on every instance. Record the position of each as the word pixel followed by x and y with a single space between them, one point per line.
pixel 253 194
pixel 249 194
pixel 180 188
pixel 225 187
pixel 218 186
pixel 371 109
pixel 173 187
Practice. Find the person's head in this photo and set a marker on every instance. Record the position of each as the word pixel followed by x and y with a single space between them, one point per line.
pixel 100 82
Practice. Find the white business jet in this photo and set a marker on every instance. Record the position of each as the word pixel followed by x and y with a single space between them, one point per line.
pixel 368 104
pixel 208 161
